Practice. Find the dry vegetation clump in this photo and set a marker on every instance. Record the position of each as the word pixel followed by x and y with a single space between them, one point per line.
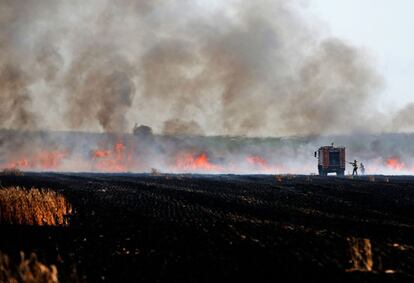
pixel 12 172
pixel 28 270
pixel 279 178
pixel 284 177
pixel 33 207
pixel 155 172
pixel 290 177
pixel 361 255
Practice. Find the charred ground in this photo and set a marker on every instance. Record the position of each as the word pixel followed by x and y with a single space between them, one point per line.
pixel 182 228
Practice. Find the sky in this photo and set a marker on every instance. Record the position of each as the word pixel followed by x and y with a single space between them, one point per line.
pixel 384 29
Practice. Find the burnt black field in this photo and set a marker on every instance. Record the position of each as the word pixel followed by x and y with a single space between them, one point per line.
pixel 205 228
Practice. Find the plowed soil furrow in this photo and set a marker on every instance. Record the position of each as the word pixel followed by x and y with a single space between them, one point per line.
pixel 204 228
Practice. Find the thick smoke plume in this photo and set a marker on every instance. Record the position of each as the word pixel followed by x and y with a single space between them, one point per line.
pixel 240 68
pixel 187 69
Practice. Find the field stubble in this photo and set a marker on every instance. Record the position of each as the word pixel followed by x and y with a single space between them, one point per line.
pixel 135 227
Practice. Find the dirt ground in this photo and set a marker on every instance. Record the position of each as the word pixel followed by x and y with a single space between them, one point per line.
pixel 205 228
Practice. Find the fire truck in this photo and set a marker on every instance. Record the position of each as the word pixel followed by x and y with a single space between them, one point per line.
pixel 331 159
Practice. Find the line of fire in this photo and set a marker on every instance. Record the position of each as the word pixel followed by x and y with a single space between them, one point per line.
pixel 143 151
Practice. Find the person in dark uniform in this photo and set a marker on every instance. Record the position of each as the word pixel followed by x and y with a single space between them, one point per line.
pixel 355 165
pixel 362 169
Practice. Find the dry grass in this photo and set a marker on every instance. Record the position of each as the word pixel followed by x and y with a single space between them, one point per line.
pixel 284 177
pixel 33 207
pixel 361 255
pixel 155 172
pixel 12 172
pixel 28 270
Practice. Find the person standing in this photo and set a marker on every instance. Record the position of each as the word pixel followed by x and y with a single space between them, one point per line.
pixel 362 169
pixel 355 166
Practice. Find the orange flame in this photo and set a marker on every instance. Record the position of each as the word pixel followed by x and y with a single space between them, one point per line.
pixel 44 160
pixel 101 153
pixel 116 160
pixel 258 162
pixel 188 162
pixel 395 164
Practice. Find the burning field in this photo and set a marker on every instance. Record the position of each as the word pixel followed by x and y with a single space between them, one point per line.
pixel 120 153
pixel 202 228
pixel 200 215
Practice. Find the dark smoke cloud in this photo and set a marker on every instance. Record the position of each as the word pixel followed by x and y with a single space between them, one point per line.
pixel 404 119
pixel 252 68
pixel 15 99
pixel 333 92
pixel 175 126
pixel 99 89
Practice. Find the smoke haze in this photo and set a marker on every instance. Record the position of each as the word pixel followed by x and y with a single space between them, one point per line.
pixel 251 68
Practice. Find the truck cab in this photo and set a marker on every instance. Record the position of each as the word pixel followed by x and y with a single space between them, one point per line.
pixel 331 159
